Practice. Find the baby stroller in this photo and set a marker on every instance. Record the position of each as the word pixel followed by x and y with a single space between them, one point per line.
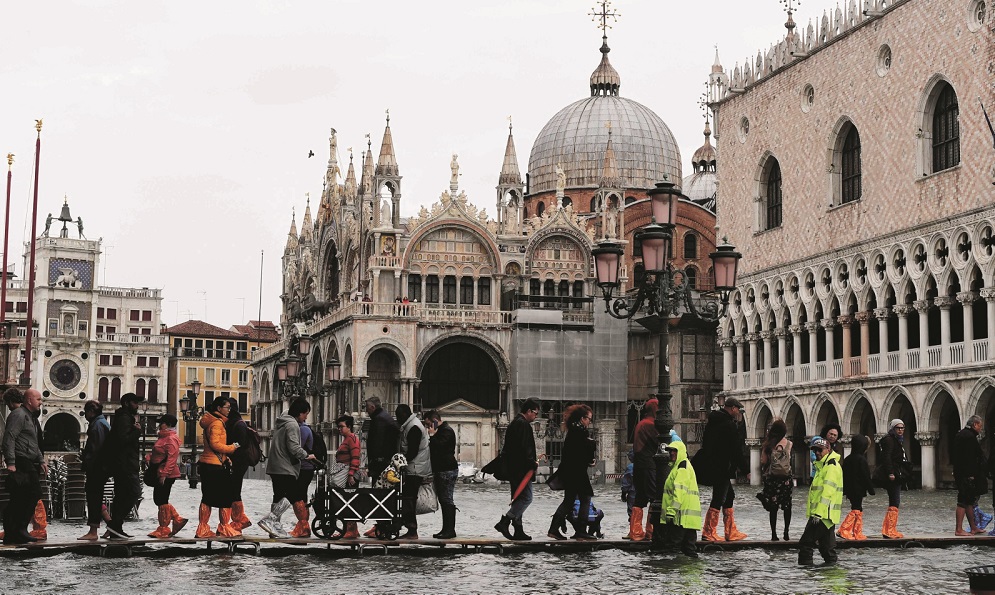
pixel 594 516
pixel 334 506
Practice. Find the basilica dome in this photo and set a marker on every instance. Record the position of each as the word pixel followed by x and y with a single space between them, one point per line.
pixel 576 137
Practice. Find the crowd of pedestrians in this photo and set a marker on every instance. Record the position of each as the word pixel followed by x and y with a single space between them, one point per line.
pixel 666 509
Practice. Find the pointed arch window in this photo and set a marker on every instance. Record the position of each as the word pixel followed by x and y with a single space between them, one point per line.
pixel 153 395
pixel 850 182
pixel 540 209
pixel 946 129
pixel 770 195
pixel 690 246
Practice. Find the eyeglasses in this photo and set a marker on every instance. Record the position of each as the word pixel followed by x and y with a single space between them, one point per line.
pixel 899 427
pixel 226 406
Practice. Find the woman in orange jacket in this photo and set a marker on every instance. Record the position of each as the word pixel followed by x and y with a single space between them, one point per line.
pixel 215 471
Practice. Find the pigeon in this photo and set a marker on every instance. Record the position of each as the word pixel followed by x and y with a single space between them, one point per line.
pixel 310 154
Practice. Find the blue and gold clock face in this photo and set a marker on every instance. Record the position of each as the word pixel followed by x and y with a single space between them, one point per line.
pixel 65 375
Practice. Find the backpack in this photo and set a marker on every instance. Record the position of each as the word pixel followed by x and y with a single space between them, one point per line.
pixel 252 450
pixel 780 462
pixel 318 448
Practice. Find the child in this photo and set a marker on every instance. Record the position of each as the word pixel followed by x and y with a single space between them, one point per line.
pixel 681 504
pixel 825 498
pixel 856 484
pixel 391 475
pixel 594 517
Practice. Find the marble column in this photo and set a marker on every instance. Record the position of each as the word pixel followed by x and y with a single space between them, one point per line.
pixel 966 299
pixel 753 338
pixel 796 348
pixel 988 294
pixel 767 337
pixel 782 351
pixel 922 307
pixel 829 324
pixel 846 323
pixel 944 303
pixel 754 445
pixel 902 312
pixel 813 347
pixel 927 443
pixel 882 315
pixel 738 342
pixel 727 363
pixel 607 442
pixel 864 319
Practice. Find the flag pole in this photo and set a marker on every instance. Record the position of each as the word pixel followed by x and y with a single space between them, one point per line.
pixel 6 235
pixel 26 377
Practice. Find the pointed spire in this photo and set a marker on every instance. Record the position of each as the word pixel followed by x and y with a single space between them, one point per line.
pixel 609 175
pixel 716 65
pixel 292 236
pixel 605 79
pixel 350 177
pixel 306 223
pixel 510 173
pixel 704 158
pixel 331 176
pixel 366 181
pixel 386 163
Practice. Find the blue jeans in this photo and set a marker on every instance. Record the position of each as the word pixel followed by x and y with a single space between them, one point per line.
pixel 445 485
pixel 521 503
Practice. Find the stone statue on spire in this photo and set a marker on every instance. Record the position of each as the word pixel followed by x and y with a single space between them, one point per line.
pixel 454 168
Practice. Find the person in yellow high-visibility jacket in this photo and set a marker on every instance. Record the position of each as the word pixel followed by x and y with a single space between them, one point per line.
pixel 825 499
pixel 681 505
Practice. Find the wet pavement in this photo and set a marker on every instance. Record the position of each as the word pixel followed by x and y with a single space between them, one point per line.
pixel 871 570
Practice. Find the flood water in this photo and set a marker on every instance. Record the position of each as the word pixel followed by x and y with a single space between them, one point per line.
pixel 869 570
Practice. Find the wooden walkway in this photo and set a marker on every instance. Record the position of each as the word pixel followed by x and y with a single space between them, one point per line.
pixel 179 546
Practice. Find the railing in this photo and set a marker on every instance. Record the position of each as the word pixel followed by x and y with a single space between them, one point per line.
pixel 393 262
pixel 133 339
pixel 969 353
pixel 460 316
pixel 129 292
pixel 581 317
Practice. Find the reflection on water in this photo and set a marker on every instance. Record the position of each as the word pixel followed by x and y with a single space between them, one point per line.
pixel 319 571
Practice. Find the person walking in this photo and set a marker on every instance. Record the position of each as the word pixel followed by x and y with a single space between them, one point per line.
pixel 681 504
pixel 645 441
pixel 969 474
pixel 124 462
pixel 94 467
pixel 303 527
pixel 215 468
pixel 165 454
pixel 283 465
pixel 856 484
pixel 414 447
pixel 775 469
pixel 825 499
pixel 723 453
pixel 519 463
pixel 445 470
pixel 237 432
pixel 348 455
pixel 381 442
pixel 578 456
pixel 892 471
pixel 25 464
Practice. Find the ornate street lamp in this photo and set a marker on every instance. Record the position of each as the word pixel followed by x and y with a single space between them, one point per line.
pixel 663 293
pixel 191 415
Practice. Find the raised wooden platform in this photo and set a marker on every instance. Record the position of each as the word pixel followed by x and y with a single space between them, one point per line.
pixel 190 546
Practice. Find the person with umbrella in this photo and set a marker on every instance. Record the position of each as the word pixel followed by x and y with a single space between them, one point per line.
pixel 518 459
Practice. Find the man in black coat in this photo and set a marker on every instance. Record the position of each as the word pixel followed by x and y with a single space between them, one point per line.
pixel 518 458
pixel 445 470
pixel 123 462
pixel 969 473
pixel 724 453
pixel 383 440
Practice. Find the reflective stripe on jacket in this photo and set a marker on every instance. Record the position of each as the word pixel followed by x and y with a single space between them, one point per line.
pixel 825 496
pixel 680 492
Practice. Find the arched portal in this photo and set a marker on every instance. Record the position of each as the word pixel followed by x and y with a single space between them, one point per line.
pixel 61 433
pixel 827 415
pixel 862 422
pixel 460 371
pixel 383 370
pixel 795 420
pixel 945 415
pixel 902 409
pixel 764 417
pixel 986 409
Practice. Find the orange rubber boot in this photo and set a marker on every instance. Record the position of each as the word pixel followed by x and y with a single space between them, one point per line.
pixel 858 526
pixel 351 530
pixel 648 532
pixel 204 526
pixel 846 530
pixel 729 519
pixel 889 528
pixel 164 517
pixel 708 532
pixel 238 518
pixel 178 521
pixel 225 527
pixel 636 532
pixel 303 527
pixel 39 522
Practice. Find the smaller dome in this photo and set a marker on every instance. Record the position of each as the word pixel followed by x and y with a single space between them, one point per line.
pixel 704 158
pixel 605 79
pixel 701 186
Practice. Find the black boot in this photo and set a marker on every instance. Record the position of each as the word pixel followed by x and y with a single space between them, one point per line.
pixel 554 528
pixel 520 534
pixel 448 522
pixel 502 527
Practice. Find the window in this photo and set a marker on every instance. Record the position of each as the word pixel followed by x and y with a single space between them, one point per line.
pixel 691 276
pixel 191 375
pixel 449 290
pixel 111 313
pixel 225 377
pixel 540 209
pixel 140 387
pixel 84 326
pixel 243 402
pixel 484 291
pixel 850 166
pixel 699 357
pixel 134 330
pixel 243 378
pixel 153 395
pixel 115 390
pixel 534 287
pixel 432 289
pixel 690 246
pixel 8 306
pixel 578 292
pixel 242 350
pixel 567 201
pixel 770 194
pixel 146 315
pixel 154 362
pixel 22 306
pixel 104 359
pixel 210 376
pixel 946 130
pixel 466 290
pixel 53 326
pixel 143 361
pixel 135 315
pixel 100 329
pixel 100 312
pixel 111 331
pixel 414 288
pixel 103 390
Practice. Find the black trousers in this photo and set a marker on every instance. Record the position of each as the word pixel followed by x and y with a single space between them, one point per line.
pixel 127 491
pixel 677 537
pixel 24 488
pixel 160 493
pixel 94 488
pixel 644 481
pixel 409 497
pixel 722 494
pixel 817 534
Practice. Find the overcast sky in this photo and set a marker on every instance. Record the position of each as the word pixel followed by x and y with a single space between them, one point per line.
pixel 180 130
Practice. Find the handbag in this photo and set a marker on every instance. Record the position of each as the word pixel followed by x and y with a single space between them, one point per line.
pixel 427 501
pixel 555 482
pixel 338 474
pixel 151 475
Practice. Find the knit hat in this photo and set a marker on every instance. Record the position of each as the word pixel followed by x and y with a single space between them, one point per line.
pixel 893 423
pixel 818 442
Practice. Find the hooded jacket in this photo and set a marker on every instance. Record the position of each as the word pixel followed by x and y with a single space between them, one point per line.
pixel 680 492
pixel 825 496
pixel 122 448
pixel 285 450
pixel 166 451
pixel 856 473
pixel 215 439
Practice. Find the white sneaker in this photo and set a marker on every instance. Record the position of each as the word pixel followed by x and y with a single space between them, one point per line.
pixel 270 526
